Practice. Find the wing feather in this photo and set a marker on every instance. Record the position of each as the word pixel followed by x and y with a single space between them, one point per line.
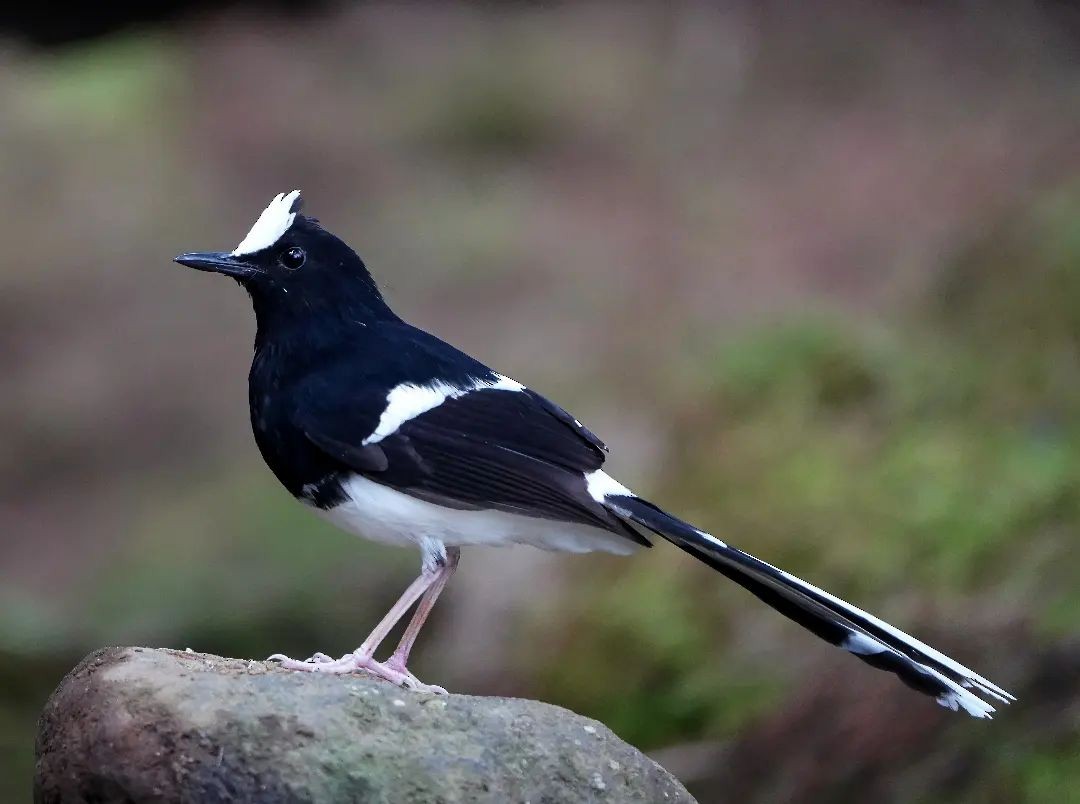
pixel 496 449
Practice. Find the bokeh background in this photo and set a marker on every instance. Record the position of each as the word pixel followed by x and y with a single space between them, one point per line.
pixel 812 270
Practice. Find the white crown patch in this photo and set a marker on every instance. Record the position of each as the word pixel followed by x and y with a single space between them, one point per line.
pixel 271 225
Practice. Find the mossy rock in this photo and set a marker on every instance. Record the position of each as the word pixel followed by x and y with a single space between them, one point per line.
pixel 136 724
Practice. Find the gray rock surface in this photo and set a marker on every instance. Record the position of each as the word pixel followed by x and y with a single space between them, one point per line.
pixel 144 725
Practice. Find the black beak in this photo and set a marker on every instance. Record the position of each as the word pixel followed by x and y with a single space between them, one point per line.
pixel 219 262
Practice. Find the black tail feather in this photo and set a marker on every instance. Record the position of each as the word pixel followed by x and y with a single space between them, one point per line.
pixel 875 642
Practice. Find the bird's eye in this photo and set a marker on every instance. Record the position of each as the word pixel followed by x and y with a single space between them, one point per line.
pixel 293 257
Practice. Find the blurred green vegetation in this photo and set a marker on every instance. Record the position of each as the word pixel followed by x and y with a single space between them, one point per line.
pixel 111 87
pixel 582 182
pixel 934 458
pixel 282 581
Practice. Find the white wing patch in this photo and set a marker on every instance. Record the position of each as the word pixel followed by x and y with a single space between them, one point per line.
pixel 270 226
pixel 407 401
pixel 503 383
pixel 600 484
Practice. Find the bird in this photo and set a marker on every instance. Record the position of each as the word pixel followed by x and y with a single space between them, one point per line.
pixel 396 436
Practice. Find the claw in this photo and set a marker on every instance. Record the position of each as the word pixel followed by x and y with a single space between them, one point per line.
pixel 431 689
pixel 315 664
pixel 409 681
pixel 391 671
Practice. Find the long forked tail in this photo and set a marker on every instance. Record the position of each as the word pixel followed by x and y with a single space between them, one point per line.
pixel 874 641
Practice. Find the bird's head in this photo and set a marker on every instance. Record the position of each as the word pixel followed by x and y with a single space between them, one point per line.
pixel 295 269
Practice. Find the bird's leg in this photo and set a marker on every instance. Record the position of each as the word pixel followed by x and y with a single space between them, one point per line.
pixel 362 657
pixel 400 656
pixel 439 565
pixel 428 577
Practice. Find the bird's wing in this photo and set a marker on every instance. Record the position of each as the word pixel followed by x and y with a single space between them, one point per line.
pixel 506 449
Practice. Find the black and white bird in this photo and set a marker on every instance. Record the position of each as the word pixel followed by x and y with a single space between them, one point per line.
pixel 398 437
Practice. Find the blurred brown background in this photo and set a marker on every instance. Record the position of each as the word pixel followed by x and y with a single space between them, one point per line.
pixel 812 270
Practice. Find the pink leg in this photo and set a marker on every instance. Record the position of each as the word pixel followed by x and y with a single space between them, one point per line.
pixel 428 586
pixel 397 611
pixel 400 657
pixel 362 657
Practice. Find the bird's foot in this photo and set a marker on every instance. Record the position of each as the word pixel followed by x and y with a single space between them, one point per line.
pixel 391 671
pixel 397 666
pixel 307 664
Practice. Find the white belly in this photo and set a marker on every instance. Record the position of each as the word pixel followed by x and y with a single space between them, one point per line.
pixel 381 514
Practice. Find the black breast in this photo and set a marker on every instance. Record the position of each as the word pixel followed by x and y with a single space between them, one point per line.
pixel 306 471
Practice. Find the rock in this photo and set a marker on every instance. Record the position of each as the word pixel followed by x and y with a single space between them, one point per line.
pixel 143 725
